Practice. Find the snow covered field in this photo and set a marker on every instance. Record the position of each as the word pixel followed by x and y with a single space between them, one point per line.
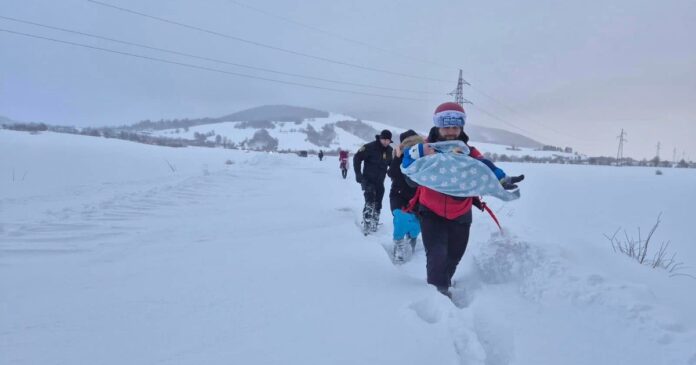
pixel 114 252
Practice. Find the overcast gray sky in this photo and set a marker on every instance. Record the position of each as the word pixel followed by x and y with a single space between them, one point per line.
pixel 569 73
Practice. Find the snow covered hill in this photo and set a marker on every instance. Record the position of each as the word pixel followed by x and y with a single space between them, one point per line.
pixel 114 252
pixel 292 129
pixel 328 133
pixel 502 137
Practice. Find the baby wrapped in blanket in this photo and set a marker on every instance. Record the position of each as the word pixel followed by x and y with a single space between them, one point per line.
pixel 448 168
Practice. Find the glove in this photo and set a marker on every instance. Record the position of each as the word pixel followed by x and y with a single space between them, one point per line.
pixel 510 182
pixel 359 179
pixel 478 203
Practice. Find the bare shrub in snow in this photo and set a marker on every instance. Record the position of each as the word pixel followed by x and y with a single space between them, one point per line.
pixel 171 167
pixel 637 249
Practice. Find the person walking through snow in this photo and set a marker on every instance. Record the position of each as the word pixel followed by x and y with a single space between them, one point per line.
pixel 406 225
pixel 446 219
pixel 377 156
pixel 343 162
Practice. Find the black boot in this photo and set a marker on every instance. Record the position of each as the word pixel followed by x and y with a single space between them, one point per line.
pixel 368 219
pixel 444 291
pixel 412 241
pixel 375 222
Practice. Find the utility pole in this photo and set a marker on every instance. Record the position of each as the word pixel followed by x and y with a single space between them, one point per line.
pixel 458 93
pixel 619 153
pixel 674 156
pixel 658 151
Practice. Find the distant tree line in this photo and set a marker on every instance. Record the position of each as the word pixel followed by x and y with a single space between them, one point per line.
pixel 582 160
pixel 322 138
pixel 257 124
pixel 169 124
pixel 556 149
pixel 263 141
pixel 26 127
pixel 358 128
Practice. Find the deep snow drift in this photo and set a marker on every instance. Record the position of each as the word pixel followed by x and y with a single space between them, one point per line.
pixel 114 252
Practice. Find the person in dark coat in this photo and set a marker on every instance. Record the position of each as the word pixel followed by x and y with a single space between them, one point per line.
pixel 406 226
pixel 376 156
pixel 321 155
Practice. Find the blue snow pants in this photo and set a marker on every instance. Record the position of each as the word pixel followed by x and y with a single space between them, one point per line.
pixel 405 224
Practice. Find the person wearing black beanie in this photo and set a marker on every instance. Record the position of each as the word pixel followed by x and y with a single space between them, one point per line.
pixel 376 156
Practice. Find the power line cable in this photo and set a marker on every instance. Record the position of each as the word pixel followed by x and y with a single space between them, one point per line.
pixel 486 112
pixel 263 45
pixel 506 106
pixel 180 24
pixel 251 67
pixel 213 59
pixel 528 132
pixel 362 43
pixel 339 36
pixel 208 68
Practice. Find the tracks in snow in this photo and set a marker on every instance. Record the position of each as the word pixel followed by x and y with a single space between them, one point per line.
pixel 540 276
pixel 82 220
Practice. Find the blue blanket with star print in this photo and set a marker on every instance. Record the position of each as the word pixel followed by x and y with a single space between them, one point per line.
pixel 453 172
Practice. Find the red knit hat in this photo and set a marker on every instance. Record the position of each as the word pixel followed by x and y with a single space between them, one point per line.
pixel 449 114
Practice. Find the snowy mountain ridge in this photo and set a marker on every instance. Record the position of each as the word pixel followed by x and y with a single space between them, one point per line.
pixel 328 133
pixel 292 128
pixel 285 128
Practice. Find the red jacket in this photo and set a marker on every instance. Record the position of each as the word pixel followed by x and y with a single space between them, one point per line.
pixel 445 206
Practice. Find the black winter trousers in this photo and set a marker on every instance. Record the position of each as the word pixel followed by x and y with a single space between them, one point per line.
pixel 445 242
pixel 373 193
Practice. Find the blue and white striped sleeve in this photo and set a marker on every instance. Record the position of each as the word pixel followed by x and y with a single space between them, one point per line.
pixel 412 154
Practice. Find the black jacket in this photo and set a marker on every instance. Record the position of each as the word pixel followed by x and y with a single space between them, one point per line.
pixel 377 159
pixel 401 192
